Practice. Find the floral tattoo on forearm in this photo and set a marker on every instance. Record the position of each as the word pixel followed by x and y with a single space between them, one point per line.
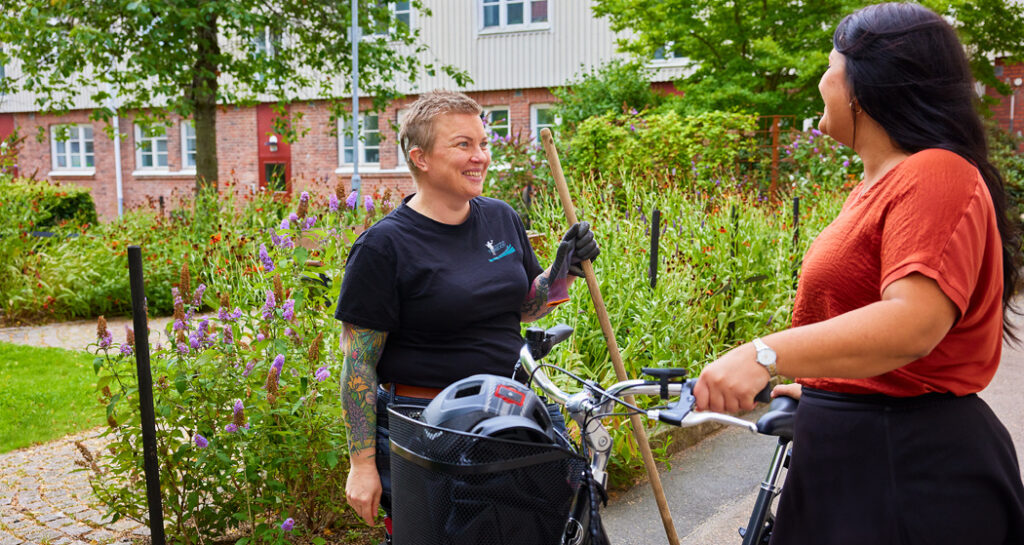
pixel 362 348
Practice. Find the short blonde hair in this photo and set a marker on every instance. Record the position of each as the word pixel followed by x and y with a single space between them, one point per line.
pixel 418 124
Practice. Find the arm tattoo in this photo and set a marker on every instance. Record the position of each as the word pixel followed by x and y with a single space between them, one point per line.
pixel 536 304
pixel 362 348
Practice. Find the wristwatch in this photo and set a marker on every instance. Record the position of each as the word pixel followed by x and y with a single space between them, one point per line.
pixel 765 356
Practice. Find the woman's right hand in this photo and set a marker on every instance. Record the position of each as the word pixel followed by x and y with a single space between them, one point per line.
pixel 362 488
pixel 790 390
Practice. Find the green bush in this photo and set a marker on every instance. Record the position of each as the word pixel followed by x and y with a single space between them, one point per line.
pixel 689 152
pixel 1005 155
pixel 52 205
pixel 242 447
pixel 616 87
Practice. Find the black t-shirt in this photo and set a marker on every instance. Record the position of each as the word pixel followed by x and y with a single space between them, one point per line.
pixel 449 296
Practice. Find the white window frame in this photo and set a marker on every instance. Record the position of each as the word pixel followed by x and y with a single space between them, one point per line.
pixel 536 127
pixel 503 27
pixel 186 126
pixel 399 117
pixel 393 6
pixel 346 123
pixel 153 140
pixel 486 114
pixel 669 57
pixel 76 132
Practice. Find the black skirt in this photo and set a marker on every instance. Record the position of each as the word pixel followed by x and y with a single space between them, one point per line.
pixel 879 470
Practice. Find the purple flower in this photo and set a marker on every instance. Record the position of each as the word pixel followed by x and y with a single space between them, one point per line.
pixel 275 239
pixel 195 341
pixel 332 203
pixel 222 314
pixel 278 362
pixel 126 350
pixel 286 242
pixel 179 325
pixel 815 132
pixel 238 407
pixel 201 441
pixel 268 305
pixel 197 296
pixel 293 217
pixel 183 349
pixel 846 162
pixel 310 222
pixel 285 224
pixel 368 203
pixel 231 428
pixel 261 337
pixel 304 197
pixel 289 332
pixel 632 127
pixel 229 335
pixel 350 201
pixel 268 264
pixel 106 340
pixel 323 374
pixel 248 368
pixel 288 524
pixel 289 309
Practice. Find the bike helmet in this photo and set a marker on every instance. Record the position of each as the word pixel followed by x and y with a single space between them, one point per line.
pixel 491 406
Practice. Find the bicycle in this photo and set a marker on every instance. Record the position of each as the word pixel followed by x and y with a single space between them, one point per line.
pixel 587 408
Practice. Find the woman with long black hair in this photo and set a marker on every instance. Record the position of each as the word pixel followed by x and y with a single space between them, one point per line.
pixel 901 309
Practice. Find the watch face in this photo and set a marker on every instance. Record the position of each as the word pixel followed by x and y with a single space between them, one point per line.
pixel 766 356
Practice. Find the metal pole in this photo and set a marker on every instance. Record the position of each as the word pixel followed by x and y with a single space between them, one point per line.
pixel 149 458
pixel 356 35
pixel 655 234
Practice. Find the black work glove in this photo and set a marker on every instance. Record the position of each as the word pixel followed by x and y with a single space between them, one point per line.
pixel 584 246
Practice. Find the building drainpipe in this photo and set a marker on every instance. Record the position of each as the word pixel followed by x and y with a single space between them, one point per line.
pixel 355 35
pixel 117 166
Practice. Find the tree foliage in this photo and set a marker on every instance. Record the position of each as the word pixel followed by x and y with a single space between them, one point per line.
pixel 186 57
pixel 615 87
pixel 767 57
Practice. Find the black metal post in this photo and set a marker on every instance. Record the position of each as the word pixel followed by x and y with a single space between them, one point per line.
pixel 796 239
pixel 734 221
pixel 149 458
pixel 655 234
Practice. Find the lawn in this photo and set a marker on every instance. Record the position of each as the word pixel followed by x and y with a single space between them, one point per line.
pixel 45 394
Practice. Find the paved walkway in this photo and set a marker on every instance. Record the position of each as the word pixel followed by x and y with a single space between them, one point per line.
pixel 44 499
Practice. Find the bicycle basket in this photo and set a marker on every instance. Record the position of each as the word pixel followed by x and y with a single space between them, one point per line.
pixel 451 487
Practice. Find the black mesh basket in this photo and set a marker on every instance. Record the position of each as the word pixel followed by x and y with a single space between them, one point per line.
pixel 450 487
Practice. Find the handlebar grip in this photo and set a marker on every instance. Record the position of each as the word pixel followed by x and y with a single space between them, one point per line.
pixel 765 395
pixel 559 333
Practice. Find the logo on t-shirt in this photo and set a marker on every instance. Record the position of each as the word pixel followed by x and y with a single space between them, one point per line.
pixel 499 250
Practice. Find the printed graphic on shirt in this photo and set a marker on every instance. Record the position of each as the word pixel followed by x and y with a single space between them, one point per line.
pixel 499 250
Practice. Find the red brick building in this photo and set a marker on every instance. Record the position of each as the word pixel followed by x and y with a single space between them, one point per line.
pixel 1009 112
pixel 515 51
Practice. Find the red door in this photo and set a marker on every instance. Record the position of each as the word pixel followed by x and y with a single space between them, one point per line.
pixel 275 155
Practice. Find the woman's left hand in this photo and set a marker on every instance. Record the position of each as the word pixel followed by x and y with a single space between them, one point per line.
pixel 730 383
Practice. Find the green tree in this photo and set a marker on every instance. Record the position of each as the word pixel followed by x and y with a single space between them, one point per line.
pixel 767 57
pixel 614 87
pixel 186 57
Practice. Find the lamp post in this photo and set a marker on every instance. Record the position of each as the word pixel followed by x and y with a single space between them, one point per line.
pixel 355 35
pixel 1017 82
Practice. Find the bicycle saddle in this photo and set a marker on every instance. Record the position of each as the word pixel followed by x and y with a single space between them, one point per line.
pixel 778 421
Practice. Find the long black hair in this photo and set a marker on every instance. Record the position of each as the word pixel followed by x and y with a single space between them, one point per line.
pixel 909 72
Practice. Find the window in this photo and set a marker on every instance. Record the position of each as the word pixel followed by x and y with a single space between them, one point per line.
pixel 150 146
pixel 267 41
pixel 496 119
pixel 513 15
pixel 542 116
pixel 401 14
pixel 188 144
pixel 400 118
pixel 369 141
pixel 667 54
pixel 71 147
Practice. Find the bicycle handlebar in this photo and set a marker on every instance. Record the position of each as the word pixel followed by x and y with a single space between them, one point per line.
pixel 679 413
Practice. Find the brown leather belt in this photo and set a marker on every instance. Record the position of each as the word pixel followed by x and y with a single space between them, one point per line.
pixel 406 390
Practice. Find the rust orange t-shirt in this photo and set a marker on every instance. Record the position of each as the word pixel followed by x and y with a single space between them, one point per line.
pixel 931 214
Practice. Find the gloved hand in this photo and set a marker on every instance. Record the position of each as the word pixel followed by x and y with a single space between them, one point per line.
pixel 583 245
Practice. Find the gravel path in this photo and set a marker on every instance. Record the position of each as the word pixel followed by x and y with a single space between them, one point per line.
pixel 45 498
